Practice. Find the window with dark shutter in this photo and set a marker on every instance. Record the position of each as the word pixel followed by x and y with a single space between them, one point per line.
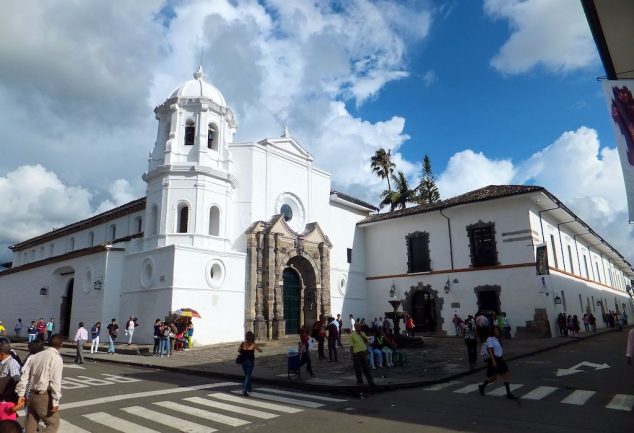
pixel 482 244
pixel 349 255
pixel 418 258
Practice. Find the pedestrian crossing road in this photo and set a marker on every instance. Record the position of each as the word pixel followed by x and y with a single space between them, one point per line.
pixel 195 409
pixel 562 395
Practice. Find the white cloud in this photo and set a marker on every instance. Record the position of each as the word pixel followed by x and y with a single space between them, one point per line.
pixel 553 34
pixel 34 200
pixel 575 168
pixel 468 170
pixel 78 86
pixel 430 78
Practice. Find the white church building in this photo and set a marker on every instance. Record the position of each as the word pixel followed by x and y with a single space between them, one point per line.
pixel 253 237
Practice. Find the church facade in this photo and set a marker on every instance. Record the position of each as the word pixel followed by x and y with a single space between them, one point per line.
pixel 253 237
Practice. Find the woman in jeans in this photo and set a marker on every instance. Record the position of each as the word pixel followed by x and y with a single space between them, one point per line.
pixel 94 335
pixel 247 350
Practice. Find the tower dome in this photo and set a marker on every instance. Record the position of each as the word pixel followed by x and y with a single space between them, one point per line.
pixel 199 88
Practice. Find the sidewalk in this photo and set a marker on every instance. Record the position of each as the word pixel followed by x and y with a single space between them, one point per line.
pixel 442 359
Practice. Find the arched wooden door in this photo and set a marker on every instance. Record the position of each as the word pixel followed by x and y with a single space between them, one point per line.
pixel 66 308
pixel 424 312
pixel 292 297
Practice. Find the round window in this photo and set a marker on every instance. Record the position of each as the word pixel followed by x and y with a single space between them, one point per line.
pixel 287 212
pixel 215 273
pixel 147 273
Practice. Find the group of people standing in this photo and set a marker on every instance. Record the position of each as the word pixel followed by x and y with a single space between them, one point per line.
pixel 37 330
pixel 170 337
pixel 34 385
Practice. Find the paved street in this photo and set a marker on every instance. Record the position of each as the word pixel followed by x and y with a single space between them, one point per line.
pixel 582 387
pixel 105 398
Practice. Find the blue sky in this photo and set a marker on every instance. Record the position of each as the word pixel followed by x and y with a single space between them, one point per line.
pixel 495 91
pixel 471 105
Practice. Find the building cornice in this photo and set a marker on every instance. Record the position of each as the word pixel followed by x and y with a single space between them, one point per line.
pixel 118 212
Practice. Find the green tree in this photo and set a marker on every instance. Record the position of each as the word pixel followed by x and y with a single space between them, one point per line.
pixel 427 191
pixel 401 195
pixel 383 165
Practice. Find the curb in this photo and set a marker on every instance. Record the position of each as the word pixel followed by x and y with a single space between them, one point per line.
pixel 348 390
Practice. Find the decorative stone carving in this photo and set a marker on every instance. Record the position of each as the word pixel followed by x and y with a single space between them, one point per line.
pixel 274 247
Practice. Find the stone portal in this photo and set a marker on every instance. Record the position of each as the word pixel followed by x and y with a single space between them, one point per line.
pixel 288 277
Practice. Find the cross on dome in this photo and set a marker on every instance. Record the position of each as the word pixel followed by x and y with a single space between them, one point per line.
pixel 200 74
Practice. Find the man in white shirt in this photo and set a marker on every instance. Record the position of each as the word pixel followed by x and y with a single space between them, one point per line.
pixel 351 323
pixel 45 374
pixel 80 338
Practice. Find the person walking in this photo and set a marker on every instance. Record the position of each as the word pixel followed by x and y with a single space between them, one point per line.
pixel 94 335
pixel 32 331
pixel 333 333
pixel 319 334
pixel 50 328
pixel 496 364
pixel 41 329
pixel 304 350
pixel 359 350
pixel 339 329
pixel 45 374
pixel 470 341
pixel 81 336
pixel 129 328
pixel 113 331
pixel 18 328
pixel 409 326
pixel 247 351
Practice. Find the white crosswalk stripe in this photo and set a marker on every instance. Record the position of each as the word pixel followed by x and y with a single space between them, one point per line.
pixel 467 389
pixel 267 403
pixel 501 391
pixel 278 399
pixel 621 402
pixel 579 397
pixel 212 416
pixel 117 423
pixel 179 424
pixel 231 408
pixel 299 394
pixel 539 393
pixel 439 386
pixel 255 403
pixel 66 427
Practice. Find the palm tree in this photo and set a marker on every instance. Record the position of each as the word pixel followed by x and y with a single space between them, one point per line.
pixel 401 196
pixel 383 166
pixel 427 189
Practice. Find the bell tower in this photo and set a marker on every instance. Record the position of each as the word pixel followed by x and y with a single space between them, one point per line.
pixel 189 180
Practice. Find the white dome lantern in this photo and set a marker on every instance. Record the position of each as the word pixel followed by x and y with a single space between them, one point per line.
pixel 199 88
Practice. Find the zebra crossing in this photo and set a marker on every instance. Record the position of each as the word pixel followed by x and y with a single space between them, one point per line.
pixel 212 412
pixel 579 397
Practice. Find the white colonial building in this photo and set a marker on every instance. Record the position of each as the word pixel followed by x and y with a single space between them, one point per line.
pixel 253 237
